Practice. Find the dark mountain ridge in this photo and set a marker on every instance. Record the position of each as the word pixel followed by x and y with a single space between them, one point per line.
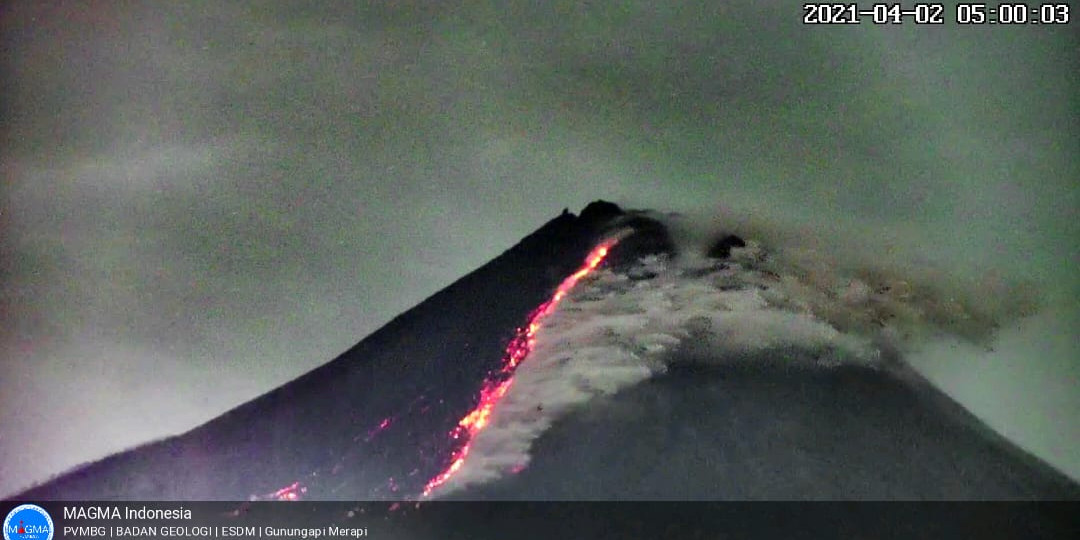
pixel 428 364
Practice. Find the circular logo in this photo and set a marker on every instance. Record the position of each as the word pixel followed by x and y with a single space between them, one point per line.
pixel 28 522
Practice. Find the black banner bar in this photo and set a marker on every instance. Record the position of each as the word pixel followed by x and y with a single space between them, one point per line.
pixel 546 520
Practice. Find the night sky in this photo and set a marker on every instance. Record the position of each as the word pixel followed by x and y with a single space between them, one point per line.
pixel 201 201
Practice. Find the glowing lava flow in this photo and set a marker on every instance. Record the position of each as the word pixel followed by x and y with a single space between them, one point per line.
pixel 291 492
pixel 496 386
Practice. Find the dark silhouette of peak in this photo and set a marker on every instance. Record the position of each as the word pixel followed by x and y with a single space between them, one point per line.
pixel 422 370
pixel 600 211
pixel 432 358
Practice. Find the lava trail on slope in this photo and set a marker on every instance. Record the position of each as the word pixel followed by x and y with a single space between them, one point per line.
pixel 518 350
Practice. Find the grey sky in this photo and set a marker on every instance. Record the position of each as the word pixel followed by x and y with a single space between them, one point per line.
pixel 201 200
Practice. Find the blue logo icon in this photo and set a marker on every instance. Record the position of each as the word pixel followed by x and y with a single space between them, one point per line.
pixel 28 522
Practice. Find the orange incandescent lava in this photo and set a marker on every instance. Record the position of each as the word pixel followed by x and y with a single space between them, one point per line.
pixel 520 347
pixel 291 492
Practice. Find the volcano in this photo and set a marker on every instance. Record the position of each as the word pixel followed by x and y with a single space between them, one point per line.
pixel 583 364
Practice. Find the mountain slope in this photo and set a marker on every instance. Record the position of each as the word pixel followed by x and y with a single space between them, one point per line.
pixel 427 365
